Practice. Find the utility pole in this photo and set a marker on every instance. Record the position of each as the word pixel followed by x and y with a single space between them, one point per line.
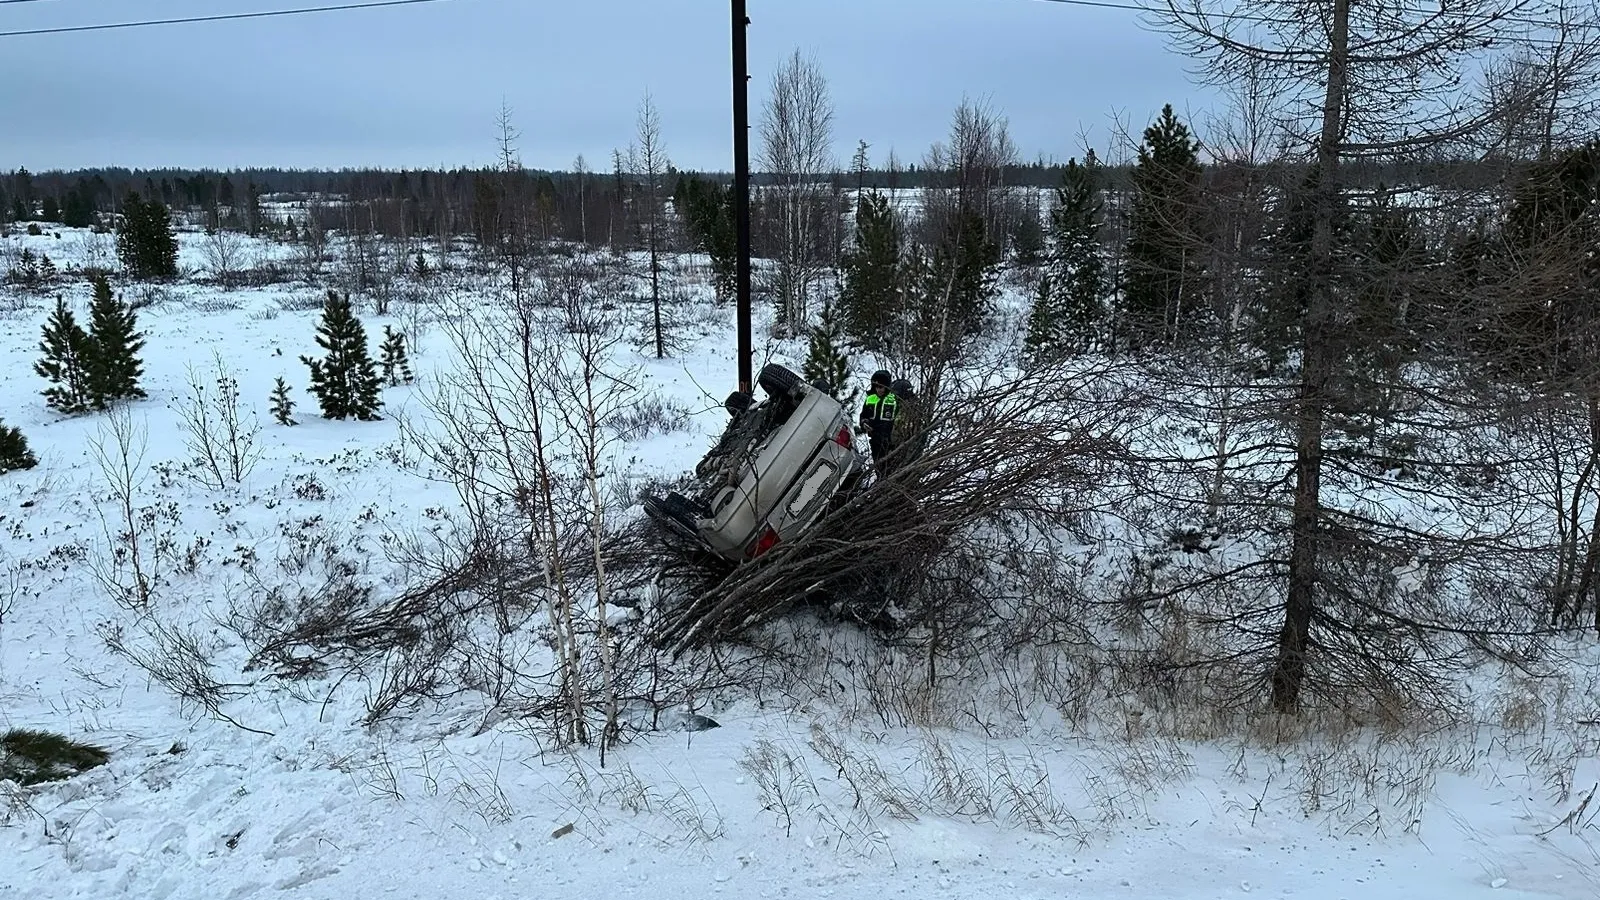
pixel 741 191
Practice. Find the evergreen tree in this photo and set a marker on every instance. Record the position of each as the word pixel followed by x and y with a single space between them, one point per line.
pixel 869 301
pixel 26 271
pixel 826 359
pixel 345 381
pixel 1278 317
pixel 420 266
pixel 1028 238
pixel 78 211
pixel 392 358
pixel 113 366
pixel 1159 295
pixel 1070 304
pixel 47 270
pixel 964 278
pixel 708 213
pixel 67 351
pixel 282 405
pixel 51 211
pixel 145 242
pixel 14 452
pixel 1042 340
pixel 1555 213
pixel 252 210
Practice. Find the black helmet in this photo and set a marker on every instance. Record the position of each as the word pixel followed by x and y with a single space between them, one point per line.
pixel 902 388
pixel 882 377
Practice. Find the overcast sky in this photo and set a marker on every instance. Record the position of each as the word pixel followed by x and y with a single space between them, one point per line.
pixel 421 85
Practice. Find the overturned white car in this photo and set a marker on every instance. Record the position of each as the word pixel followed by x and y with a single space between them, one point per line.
pixel 778 467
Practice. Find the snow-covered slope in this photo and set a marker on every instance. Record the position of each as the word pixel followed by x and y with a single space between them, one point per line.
pixel 278 789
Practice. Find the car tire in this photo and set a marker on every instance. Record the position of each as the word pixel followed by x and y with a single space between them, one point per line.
pixel 779 381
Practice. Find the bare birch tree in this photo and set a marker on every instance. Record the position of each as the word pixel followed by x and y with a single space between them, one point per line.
pixel 647 159
pixel 797 151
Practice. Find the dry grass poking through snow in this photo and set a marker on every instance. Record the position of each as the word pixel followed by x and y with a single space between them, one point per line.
pixel 1094 755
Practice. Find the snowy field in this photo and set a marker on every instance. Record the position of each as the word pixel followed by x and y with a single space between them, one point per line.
pixel 281 790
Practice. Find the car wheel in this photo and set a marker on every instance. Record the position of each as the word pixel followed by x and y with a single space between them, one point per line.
pixel 779 381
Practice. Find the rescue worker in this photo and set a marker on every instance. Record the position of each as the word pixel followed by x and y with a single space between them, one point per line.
pixel 878 414
pixel 907 440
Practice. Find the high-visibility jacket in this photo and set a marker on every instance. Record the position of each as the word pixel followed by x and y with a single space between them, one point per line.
pixel 878 414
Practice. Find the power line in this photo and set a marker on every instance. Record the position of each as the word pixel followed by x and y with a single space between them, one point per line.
pixel 225 17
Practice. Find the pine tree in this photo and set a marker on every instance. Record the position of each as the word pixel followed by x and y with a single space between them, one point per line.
pixel 282 405
pixel 869 300
pixel 1070 303
pixel 964 277
pixel 78 209
pixel 51 211
pixel 113 366
pixel 145 242
pixel 345 381
pixel 1041 342
pixel 26 271
pixel 708 213
pixel 420 267
pixel 1028 238
pixel 67 351
pixel 14 452
pixel 392 358
pixel 826 359
pixel 47 270
pixel 1162 276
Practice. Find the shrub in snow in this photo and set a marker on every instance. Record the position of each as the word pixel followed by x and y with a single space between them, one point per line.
pixel 345 381
pixel 31 757
pixel 14 452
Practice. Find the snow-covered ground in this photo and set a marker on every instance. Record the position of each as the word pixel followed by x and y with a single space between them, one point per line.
pixel 280 790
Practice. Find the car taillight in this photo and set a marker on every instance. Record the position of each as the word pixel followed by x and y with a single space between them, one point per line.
pixel 767 541
pixel 842 438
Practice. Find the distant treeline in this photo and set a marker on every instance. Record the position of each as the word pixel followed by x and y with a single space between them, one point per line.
pixel 74 197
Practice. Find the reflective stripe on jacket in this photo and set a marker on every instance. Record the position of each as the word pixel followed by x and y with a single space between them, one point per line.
pixel 878 414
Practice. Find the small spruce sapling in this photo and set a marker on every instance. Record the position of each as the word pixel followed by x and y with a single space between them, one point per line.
pixel 392 358
pixel 67 354
pixel 826 359
pixel 282 404
pixel 345 381
pixel 114 366
pixel 14 452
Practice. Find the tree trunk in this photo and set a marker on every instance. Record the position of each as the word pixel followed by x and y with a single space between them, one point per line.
pixel 1288 674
